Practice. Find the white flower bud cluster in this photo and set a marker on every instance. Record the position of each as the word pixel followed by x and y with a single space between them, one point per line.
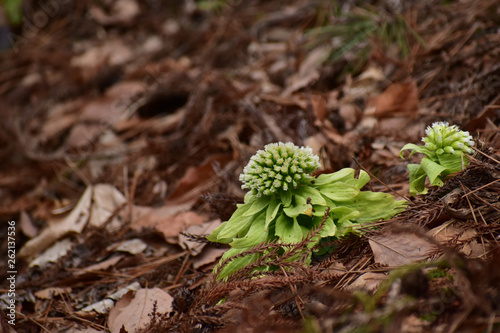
pixel 442 138
pixel 279 166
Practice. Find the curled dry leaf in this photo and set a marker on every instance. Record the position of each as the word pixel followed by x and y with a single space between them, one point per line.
pixel 72 223
pixel 96 204
pixel 53 253
pixel 105 200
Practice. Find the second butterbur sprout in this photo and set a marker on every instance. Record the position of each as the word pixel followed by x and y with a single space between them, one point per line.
pixel 446 149
pixel 286 203
pixel 443 138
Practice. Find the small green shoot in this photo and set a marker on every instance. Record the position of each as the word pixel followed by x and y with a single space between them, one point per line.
pixel 446 149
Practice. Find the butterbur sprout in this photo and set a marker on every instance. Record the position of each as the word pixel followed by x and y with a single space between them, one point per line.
pixel 287 205
pixel 444 138
pixel 280 166
pixel 446 149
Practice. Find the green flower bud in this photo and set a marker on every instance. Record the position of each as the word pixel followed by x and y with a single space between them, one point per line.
pixel 443 138
pixel 280 166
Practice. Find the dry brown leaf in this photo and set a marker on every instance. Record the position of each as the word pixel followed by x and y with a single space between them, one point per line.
pixel 102 266
pixel 367 281
pixel 27 226
pixel 132 311
pixel 196 180
pixel 132 246
pixel 202 229
pixel 82 136
pixel 400 98
pixel 162 220
pixel 351 114
pixel 208 256
pixel 396 249
pixel 318 104
pixel 112 51
pixel 308 71
pixel 53 253
pixel 48 293
pixel 450 232
pixel 363 86
pixel 105 200
pixel 74 222
pixel 122 11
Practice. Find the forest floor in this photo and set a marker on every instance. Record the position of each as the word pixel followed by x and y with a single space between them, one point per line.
pixel 125 126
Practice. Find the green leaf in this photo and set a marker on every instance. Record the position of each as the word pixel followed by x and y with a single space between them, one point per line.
pixel 300 207
pixel 363 179
pixel 231 230
pixel 343 213
pixel 235 223
pixel 339 191
pixel 312 193
pixel 417 179
pixel 416 149
pixel 255 235
pixel 373 206
pixel 235 264
pixel 288 229
pixel 433 170
pixel 249 198
pixel 358 183
pixel 340 176
pixel 453 162
pixel 257 206
pixel 344 228
pixel 236 226
pixel 329 228
pixel 272 211
pixel 286 198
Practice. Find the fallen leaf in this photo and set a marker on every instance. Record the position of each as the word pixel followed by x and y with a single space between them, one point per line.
pixel 74 222
pixel 450 232
pixel 122 11
pixel 105 200
pixel 202 229
pixel 400 98
pixel 53 253
pixel 48 293
pixel 104 306
pixel 367 281
pixel 308 70
pixel 112 51
pixel 26 225
pixel 208 256
pixel 196 180
pixel 102 265
pixel 164 221
pixel 132 311
pixel 132 246
pixel 396 249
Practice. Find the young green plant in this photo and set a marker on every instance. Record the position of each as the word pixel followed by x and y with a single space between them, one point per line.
pixel 446 149
pixel 286 203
